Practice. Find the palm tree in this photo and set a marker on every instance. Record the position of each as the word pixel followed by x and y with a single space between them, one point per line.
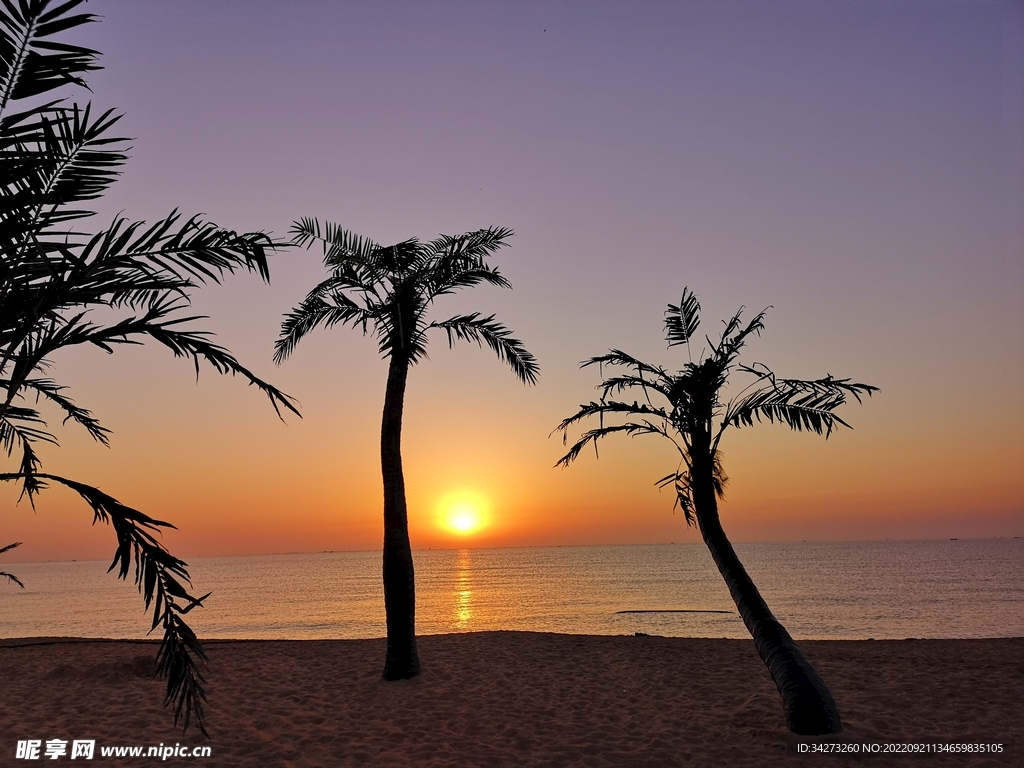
pixel 389 290
pixel 687 409
pixel 61 288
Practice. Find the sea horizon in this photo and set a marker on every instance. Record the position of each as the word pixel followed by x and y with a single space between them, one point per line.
pixel 938 588
pixel 534 546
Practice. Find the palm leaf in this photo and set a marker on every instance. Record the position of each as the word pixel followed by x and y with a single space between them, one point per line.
pixel 734 337
pixel 653 420
pixel 339 244
pixel 50 390
pixel 30 64
pixel 618 357
pixel 158 577
pixel 471 247
pixel 487 330
pixel 803 405
pixel 316 311
pixel 681 320
pixel 618 384
pixel 446 283
pixel 461 261
pixel 10 576
pixel 192 344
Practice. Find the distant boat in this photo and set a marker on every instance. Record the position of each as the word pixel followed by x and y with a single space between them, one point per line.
pixel 953 538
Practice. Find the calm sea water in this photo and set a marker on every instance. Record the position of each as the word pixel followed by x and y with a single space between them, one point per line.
pixel 898 589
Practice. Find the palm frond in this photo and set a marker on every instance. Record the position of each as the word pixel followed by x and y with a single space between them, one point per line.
pixel 195 345
pixel 316 311
pixel 681 320
pixel 10 576
pixel 83 158
pixel 801 412
pixel 592 436
pixel 487 330
pixel 461 261
pixel 127 264
pixel 734 337
pixel 9 547
pixel 159 324
pixel 161 579
pixel 653 420
pixel 681 482
pixel 339 244
pixel 618 384
pixel 21 429
pixel 801 404
pixel 193 249
pixel 618 357
pixel 798 416
pixel 63 158
pixel 470 247
pixel 606 407
pixel 827 384
pixel 50 390
pixel 29 63
pixel 444 283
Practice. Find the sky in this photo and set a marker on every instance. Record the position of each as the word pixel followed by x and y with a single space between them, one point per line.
pixel 857 166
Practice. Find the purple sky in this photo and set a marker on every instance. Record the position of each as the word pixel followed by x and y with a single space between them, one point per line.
pixel 859 166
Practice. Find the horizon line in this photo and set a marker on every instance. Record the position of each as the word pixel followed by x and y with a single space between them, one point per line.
pixel 543 546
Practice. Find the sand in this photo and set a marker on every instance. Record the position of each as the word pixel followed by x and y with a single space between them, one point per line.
pixel 512 698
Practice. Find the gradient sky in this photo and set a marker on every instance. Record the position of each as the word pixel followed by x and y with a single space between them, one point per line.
pixel 859 166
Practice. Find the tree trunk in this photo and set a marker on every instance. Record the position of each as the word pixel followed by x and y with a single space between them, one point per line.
pixel 809 706
pixel 402 660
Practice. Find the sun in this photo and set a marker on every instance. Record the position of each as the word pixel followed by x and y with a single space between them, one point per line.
pixel 464 518
pixel 463 513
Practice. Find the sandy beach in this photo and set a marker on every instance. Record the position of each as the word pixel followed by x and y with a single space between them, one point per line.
pixel 510 698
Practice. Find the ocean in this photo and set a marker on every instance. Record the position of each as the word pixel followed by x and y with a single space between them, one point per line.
pixel 826 590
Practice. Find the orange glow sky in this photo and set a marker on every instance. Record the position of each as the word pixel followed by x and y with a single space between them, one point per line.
pixel 861 169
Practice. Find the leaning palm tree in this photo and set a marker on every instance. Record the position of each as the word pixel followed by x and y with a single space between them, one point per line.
pixel 389 290
pixel 686 407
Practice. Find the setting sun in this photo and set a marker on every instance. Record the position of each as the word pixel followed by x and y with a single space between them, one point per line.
pixel 463 514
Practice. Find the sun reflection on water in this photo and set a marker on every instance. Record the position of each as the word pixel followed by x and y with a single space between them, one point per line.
pixel 463 591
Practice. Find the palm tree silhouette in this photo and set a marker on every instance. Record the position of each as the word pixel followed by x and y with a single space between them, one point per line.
pixel 389 290
pixel 61 288
pixel 687 410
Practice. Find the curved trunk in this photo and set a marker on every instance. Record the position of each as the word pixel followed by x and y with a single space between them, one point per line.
pixel 402 660
pixel 809 706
